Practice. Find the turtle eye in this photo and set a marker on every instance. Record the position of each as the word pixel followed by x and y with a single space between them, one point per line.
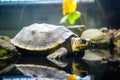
pixel 83 41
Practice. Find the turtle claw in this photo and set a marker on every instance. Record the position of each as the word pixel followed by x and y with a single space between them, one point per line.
pixel 55 57
pixel 58 62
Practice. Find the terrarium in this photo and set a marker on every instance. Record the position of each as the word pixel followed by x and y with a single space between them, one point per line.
pixel 59 40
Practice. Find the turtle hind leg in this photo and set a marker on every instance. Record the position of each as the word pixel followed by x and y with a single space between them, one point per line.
pixel 56 55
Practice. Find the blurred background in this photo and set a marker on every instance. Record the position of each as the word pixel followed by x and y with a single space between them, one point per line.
pixel 15 14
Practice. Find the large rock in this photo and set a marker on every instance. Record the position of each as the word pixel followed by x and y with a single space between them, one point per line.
pixel 8 55
pixel 7 49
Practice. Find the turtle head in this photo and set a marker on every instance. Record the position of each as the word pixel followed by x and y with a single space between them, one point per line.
pixel 79 44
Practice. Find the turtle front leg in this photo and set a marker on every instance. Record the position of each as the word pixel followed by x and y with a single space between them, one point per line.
pixel 57 55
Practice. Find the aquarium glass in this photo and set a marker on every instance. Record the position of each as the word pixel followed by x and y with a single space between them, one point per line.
pixel 100 61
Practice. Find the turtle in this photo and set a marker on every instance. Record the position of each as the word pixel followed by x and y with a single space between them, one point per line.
pixel 56 39
pixel 97 36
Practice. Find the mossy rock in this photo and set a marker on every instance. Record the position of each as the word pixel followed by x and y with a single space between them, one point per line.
pixel 8 55
pixel 7 49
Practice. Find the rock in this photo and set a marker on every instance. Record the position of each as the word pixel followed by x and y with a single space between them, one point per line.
pixel 78 29
pixel 7 49
pixel 8 55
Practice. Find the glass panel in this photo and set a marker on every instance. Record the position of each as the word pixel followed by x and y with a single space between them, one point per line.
pixel 43 0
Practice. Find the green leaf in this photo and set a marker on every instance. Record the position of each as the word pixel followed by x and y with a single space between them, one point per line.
pixel 63 20
pixel 72 17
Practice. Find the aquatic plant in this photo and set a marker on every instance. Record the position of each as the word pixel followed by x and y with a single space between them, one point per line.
pixel 69 11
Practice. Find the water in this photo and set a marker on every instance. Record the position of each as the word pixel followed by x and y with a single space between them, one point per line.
pixel 96 69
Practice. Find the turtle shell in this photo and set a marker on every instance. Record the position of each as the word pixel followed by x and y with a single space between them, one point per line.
pixel 41 36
